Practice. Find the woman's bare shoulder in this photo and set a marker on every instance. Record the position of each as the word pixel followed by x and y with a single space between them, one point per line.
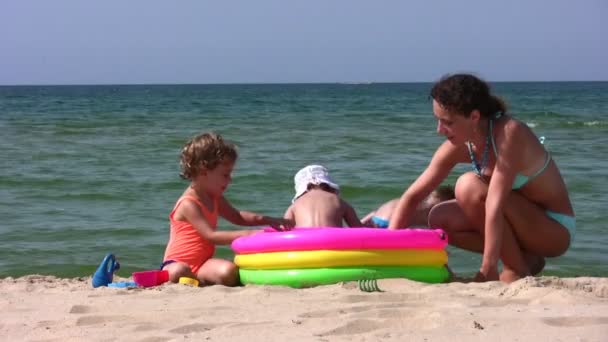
pixel 451 154
pixel 514 128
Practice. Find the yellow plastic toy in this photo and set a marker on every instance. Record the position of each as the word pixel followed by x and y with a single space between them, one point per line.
pixel 188 281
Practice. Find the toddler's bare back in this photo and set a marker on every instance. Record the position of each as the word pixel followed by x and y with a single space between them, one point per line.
pixel 319 208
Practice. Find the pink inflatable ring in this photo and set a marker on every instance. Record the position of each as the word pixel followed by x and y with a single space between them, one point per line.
pixel 306 239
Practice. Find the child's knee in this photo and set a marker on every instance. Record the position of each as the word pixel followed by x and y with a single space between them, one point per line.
pixel 177 270
pixel 228 274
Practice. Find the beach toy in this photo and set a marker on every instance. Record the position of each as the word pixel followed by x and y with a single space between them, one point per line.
pixel 305 257
pixel 306 239
pixel 188 281
pixel 105 272
pixel 308 277
pixel 369 285
pixel 331 258
pixel 151 278
pixel 123 284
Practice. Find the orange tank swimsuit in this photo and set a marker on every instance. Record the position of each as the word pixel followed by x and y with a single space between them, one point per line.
pixel 185 243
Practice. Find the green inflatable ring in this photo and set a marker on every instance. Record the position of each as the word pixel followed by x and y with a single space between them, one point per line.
pixel 308 277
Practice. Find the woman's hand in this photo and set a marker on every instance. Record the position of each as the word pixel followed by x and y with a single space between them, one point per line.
pixel 487 273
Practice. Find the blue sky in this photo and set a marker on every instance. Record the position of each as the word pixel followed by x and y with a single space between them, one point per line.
pixel 188 41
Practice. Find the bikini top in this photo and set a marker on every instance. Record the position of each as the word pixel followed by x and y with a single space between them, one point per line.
pixel 520 179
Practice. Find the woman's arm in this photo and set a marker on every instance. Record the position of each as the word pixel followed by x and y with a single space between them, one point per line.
pixel 443 161
pixel 504 173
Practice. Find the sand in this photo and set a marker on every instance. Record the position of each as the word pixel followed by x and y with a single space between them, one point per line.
pixel 45 308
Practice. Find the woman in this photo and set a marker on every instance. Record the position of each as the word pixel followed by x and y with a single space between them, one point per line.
pixel 514 205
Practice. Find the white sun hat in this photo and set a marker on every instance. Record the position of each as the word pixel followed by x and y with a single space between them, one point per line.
pixel 312 174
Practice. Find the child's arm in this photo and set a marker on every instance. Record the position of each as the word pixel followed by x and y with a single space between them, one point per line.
pixel 248 218
pixel 367 220
pixel 290 215
pixel 350 216
pixel 189 211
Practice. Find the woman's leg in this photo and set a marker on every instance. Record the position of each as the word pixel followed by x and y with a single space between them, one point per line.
pixel 537 233
pixel 464 220
pixel 461 233
pixel 218 272
pixel 471 192
pixel 530 233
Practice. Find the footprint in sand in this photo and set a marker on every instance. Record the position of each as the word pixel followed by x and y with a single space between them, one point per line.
pixel 355 327
pixel 574 321
pixel 46 324
pixel 155 339
pixel 197 327
pixel 193 328
pixel 379 297
pixel 252 324
pixel 146 327
pixel 195 313
pixel 354 309
pixel 80 309
pixel 92 320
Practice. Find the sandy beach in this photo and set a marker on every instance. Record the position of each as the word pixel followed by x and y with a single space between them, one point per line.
pixel 46 308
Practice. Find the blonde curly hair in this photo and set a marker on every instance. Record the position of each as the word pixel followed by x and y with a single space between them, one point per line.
pixel 206 150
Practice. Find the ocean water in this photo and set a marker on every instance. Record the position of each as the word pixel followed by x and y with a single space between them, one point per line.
pixel 87 170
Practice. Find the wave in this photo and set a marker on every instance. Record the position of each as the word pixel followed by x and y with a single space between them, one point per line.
pixel 568 124
pixel 596 123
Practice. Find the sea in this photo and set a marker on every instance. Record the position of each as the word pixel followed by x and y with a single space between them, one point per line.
pixel 91 170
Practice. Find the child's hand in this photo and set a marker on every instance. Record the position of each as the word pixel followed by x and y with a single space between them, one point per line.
pixel 253 231
pixel 369 224
pixel 280 224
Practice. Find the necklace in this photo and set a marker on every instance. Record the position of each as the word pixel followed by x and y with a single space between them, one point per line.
pixel 479 167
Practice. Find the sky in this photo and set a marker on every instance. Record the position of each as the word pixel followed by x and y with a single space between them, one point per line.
pixel 279 41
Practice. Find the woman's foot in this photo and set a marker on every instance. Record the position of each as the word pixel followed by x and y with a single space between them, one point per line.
pixel 535 263
pixel 489 274
pixel 508 276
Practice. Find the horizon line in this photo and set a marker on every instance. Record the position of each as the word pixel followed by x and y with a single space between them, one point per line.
pixel 278 83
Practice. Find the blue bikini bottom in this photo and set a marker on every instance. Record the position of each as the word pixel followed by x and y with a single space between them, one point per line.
pixel 380 222
pixel 569 222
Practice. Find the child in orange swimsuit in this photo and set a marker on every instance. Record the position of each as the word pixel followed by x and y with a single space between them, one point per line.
pixel 207 161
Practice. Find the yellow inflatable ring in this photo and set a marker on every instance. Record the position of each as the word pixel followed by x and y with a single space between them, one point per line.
pixel 335 258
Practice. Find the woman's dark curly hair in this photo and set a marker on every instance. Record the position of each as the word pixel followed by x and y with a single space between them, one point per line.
pixel 463 93
pixel 206 150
